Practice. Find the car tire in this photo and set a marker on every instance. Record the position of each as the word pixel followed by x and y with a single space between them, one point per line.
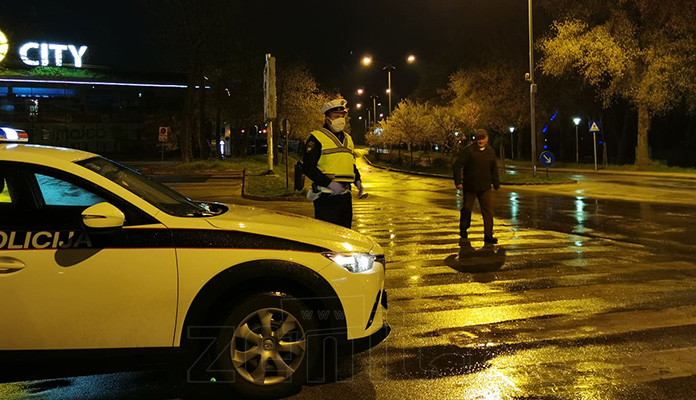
pixel 265 346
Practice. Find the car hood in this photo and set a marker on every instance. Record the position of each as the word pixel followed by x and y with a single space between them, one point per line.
pixel 292 227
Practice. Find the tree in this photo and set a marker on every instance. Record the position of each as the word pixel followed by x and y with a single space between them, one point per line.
pixel 490 95
pixel 299 99
pixel 450 119
pixel 638 50
pixel 198 33
pixel 410 123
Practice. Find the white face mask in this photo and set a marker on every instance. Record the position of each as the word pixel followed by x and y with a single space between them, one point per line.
pixel 337 124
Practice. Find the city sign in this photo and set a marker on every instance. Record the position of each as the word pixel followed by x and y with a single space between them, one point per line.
pixel 34 54
pixel 43 54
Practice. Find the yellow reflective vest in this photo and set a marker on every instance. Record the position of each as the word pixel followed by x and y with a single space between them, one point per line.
pixel 337 159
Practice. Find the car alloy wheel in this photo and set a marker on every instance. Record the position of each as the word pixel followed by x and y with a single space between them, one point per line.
pixel 268 346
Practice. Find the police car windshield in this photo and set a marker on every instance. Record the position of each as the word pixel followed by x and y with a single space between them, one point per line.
pixel 155 193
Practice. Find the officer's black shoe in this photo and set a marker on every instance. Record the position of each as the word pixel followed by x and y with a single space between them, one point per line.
pixel 490 240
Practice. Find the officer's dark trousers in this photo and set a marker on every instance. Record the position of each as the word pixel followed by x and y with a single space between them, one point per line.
pixel 484 199
pixel 335 209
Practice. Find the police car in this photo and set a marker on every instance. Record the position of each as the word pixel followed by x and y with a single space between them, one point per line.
pixel 94 256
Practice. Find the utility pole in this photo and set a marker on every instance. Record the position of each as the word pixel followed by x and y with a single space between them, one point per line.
pixel 532 90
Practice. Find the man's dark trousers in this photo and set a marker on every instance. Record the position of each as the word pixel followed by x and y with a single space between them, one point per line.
pixel 335 209
pixel 484 199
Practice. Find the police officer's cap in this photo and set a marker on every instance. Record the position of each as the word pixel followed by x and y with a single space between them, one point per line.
pixel 338 105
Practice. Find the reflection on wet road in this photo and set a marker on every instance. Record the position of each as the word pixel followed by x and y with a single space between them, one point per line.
pixel 665 229
pixel 582 298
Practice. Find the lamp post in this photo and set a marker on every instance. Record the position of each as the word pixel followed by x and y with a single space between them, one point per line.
pixel 389 69
pixel 512 143
pixel 577 121
pixel 532 89
pixel 374 107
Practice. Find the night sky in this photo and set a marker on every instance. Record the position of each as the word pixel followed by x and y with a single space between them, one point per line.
pixel 330 36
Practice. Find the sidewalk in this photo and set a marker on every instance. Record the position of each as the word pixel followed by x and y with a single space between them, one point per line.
pixel 676 175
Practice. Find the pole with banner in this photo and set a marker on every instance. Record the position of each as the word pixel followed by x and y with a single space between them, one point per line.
pixel 269 106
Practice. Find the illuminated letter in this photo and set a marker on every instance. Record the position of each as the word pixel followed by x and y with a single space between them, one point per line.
pixel 3 239
pixel 58 50
pixel 77 54
pixel 44 54
pixel 35 242
pixel 24 53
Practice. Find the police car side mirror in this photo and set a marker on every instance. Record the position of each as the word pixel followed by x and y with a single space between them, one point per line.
pixel 103 216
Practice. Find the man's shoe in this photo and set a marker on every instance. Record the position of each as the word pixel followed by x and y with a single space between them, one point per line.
pixel 490 240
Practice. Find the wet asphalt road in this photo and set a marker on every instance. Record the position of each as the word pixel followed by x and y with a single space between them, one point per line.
pixel 582 299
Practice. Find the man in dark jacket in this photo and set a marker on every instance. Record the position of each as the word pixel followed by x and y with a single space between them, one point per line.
pixel 475 170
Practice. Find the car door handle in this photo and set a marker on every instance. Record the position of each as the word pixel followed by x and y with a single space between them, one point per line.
pixel 9 265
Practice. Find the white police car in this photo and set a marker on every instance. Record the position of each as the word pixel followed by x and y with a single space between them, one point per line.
pixel 96 258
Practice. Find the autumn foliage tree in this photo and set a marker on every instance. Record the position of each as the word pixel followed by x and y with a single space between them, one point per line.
pixel 299 99
pixel 638 50
pixel 410 123
pixel 491 96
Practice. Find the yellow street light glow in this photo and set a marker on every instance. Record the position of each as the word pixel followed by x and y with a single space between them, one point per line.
pixel 411 58
pixel 367 60
pixel 360 91
pixel 358 105
pixel 4 46
pixel 388 91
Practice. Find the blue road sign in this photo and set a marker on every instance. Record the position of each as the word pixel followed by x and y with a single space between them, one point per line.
pixel 594 126
pixel 546 158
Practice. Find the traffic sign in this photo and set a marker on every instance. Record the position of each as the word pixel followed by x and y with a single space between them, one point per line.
pixel 594 126
pixel 163 133
pixel 546 158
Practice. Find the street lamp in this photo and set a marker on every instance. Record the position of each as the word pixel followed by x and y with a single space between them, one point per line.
pixel 360 91
pixel 367 60
pixel 512 143
pixel 577 121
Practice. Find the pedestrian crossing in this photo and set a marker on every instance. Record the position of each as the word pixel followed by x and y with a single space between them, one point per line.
pixel 555 315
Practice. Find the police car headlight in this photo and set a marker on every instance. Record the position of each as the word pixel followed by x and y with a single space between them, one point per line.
pixel 353 262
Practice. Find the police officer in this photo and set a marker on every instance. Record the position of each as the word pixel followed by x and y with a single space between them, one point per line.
pixel 475 170
pixel 329 162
